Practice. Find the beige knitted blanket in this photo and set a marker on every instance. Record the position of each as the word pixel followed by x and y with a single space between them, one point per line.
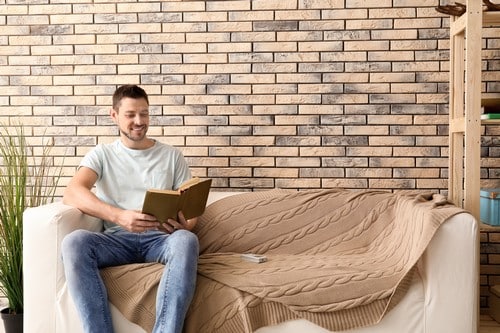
pixel 338 258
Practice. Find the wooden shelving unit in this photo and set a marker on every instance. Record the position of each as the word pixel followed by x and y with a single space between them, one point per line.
pixel 465 104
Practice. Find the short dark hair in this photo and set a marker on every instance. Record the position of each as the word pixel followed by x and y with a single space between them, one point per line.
pixel 130 91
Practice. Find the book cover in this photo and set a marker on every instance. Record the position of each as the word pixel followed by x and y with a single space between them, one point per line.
pixel 191 198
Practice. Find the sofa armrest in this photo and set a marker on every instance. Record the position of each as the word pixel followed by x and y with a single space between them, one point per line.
pixel 44 227
pixel 450 273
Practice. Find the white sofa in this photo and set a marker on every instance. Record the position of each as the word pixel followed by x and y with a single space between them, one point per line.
pixel 443 297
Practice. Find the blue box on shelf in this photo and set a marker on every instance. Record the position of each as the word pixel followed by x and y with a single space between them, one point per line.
pixel 490 206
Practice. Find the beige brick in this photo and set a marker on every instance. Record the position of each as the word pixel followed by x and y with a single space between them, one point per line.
pixel 228 5
pixel 13 110
pixel 116 59
pixel 74 39
pixel 369 151
pixel 185 48
pixel 368 173
pixel 207 141
pixel 29 40
pixel 416 173
pixel 298 99
pixel 417 23
pixel 260 15
pixel 231 172
pixel 252 99
pixel 432 98
pixel 275 88
pixel 366 45
pixel 344 56
pixel 393 162
pixel 93 8
pixel 366 130
pixel 252 161
pixel 298 183
pixel 391 141
pixel 254 141
pixel 344 183
pixel 72 19
pixel 140 7
pixel 405 34
pixel 261 46
pixel 413 130
pixel 345 77
pixel 274 4
pixel 274 109
pixel 207 79
pixel 250 120
pixel 298 15
pixel 204 16
pixel 345 14
pixel 228 68
pixel 298 161
pixel 28 20
pixel 118 79
pixel 432 183
pixel 229 109
pixel 252 78
pixel 96 49
pixel 229 26
pixel 370 24
pixel 391 56
pixel 320 4
pixel 229 47
pixel 208 161
pixel 230 151
pixel 13 9
pixel 251 183
pixel 322 172
pixel 276 172
pixel 183 6
pixel 432 162
pixel 345 98
pixel 416 151
pixel 391 183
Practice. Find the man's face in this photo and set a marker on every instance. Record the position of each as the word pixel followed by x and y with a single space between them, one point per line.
pixel 132 119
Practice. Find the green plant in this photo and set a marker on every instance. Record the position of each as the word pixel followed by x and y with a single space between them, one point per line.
pixel 25 181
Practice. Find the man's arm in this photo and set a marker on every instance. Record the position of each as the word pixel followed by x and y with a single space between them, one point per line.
pixel 78 194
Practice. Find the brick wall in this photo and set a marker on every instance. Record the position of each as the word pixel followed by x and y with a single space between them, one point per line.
pixel 258 94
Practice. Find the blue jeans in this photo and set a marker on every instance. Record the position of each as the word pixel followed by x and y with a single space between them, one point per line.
pixel 85 252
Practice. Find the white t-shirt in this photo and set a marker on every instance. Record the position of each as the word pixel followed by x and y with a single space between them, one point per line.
pixel 124 174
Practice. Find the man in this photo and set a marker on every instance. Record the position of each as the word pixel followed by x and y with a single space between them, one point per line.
pixel 122 172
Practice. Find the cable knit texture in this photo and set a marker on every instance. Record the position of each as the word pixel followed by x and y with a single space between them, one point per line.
pixel 341 259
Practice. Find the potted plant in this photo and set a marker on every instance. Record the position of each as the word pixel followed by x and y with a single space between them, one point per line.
pixel 25 181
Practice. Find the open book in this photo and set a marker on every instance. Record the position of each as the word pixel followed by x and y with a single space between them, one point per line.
pixel 190 198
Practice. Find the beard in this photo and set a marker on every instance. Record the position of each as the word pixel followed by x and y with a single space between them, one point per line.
pixel 135 135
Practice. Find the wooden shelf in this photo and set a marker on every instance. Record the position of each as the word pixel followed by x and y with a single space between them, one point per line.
pixel 466 101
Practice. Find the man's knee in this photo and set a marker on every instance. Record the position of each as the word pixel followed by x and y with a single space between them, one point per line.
pixel 74 243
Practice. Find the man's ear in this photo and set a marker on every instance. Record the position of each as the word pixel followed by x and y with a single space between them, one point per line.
pixel 114 115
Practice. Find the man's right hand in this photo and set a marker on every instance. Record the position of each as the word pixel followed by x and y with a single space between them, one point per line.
pixel 135 221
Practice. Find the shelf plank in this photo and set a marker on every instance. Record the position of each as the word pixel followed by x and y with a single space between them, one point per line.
pixel 491 19
pixel 490 121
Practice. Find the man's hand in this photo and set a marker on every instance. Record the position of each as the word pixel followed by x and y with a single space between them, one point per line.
pixel 135 221
pixel 181 223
